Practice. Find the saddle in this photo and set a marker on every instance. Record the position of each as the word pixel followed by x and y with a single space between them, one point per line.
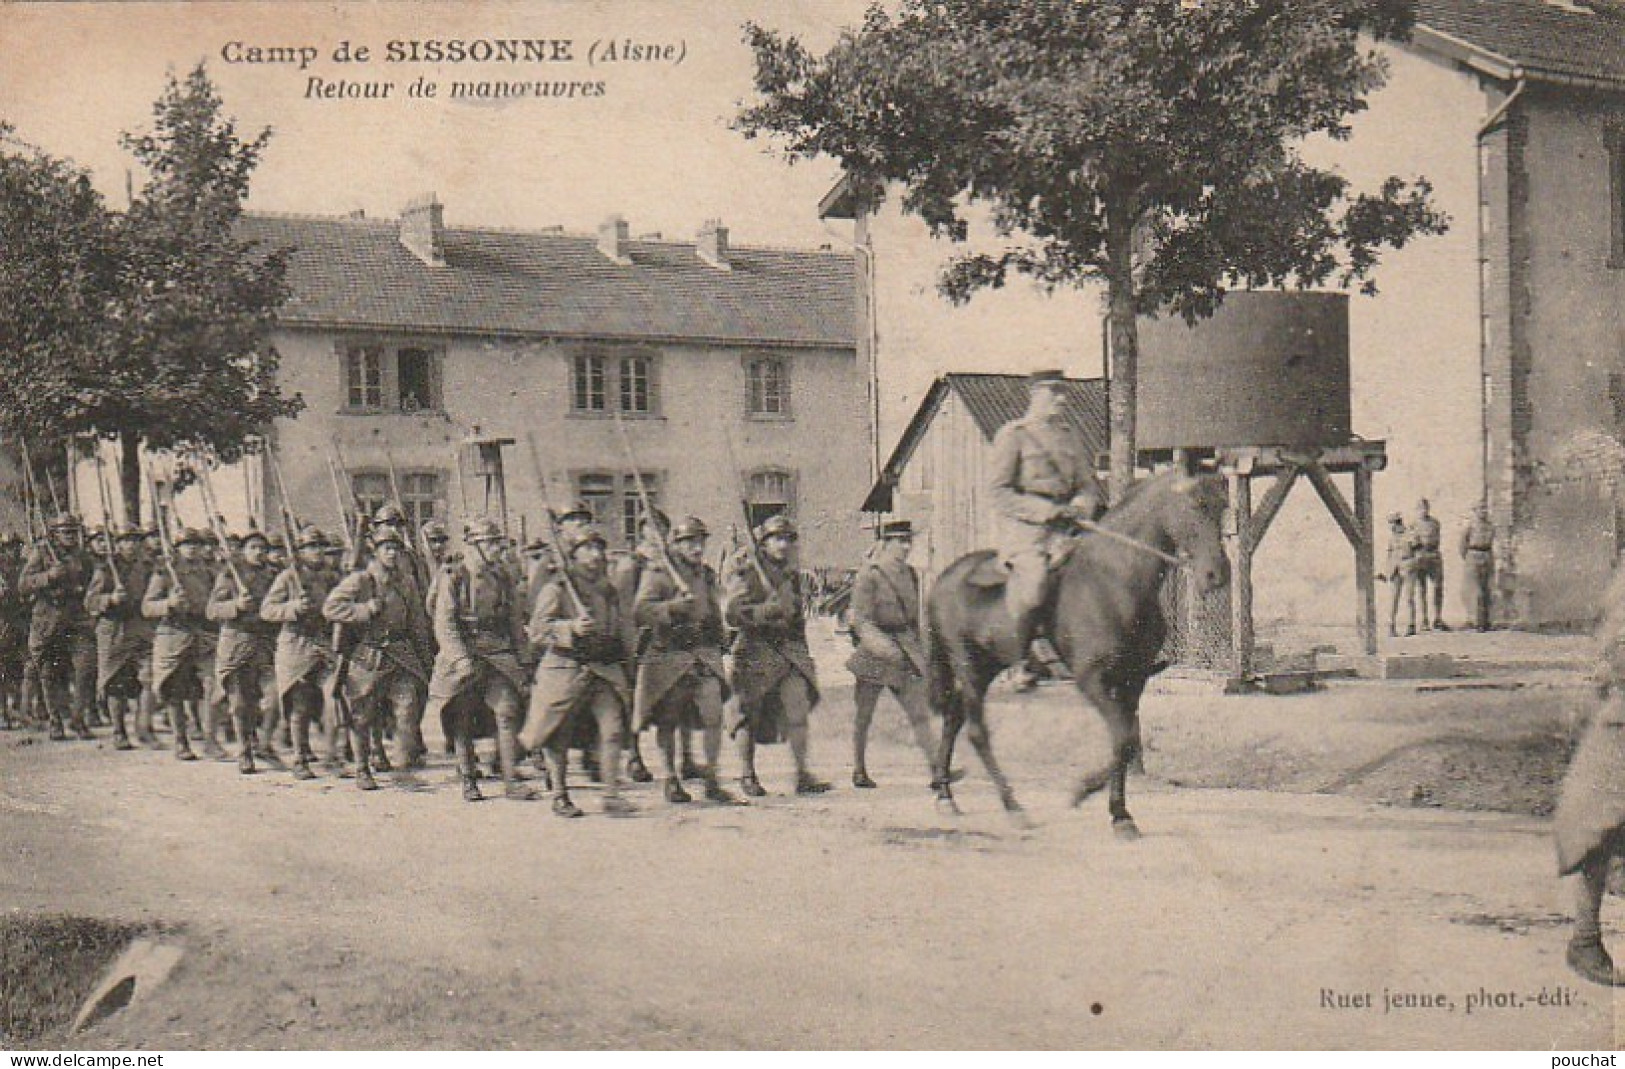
pixel 989 573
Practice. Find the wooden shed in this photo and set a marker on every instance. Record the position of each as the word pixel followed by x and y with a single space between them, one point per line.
pixel 937 475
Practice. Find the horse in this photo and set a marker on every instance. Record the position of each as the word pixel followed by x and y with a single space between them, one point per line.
pixel 1102 613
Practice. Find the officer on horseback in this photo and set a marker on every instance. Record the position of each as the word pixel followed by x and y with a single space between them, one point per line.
pixel 1043 482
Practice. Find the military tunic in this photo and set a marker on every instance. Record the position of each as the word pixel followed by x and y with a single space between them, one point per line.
pixel 304 652
pixel 681 644
pixel 1039 467
pixel 770 646
pixel 885 619
pixel 247 640
pixel 183 643
pixel 572 668
pixel 123 634
pixel 479 626
pixel 394 639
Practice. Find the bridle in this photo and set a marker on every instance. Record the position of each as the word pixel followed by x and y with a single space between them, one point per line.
pixel 1144 547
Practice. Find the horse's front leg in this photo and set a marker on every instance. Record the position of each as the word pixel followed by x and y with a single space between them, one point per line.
pixel 953 718
pixel 1122 729
pixel 976 731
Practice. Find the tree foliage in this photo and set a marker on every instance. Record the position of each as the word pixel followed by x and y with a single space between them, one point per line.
pixel 1153 145
pixel 149 326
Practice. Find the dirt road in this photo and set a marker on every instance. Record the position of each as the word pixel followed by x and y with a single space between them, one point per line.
pixel 317 916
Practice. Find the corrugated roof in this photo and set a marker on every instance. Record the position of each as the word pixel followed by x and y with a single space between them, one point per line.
pixel 992 401
pixel 1558 39
pixel 356 273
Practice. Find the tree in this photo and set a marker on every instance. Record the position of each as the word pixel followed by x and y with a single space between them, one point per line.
pixel 58 275
pixel 1150 144
pixel 189 362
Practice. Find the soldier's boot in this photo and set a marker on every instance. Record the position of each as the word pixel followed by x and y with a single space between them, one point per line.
pixel 806 782
pixel 615 804
pixel 715 791
pixel 636 770
pixel 121 736
pixel 675 793
pixel 245 752
pixel 30 696
pixel 183 748
pixel 380 751
pixel 362 742
pixel 690 768
pixel 143 720
pixel 749 785
pixel 590 765
pixel 557 766
pixel 513 788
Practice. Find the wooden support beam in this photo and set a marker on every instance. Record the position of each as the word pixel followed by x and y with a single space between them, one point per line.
pixel 1274 498
pixel 1335 503
pixel 1365 563
pixel 1241 575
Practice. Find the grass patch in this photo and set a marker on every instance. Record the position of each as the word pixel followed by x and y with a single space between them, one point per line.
pixel 48 966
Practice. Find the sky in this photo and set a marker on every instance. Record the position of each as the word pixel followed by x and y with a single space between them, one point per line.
pixel 656 147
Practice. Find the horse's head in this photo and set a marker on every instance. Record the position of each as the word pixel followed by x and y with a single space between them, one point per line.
pixel 1192 514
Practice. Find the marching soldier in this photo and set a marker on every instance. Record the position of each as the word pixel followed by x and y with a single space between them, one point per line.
pixel 1043 482
pixel 1399 572
pixel 1425 540
pixel 182 645
pixel 384 676
pixel 772 675
pixel 123 638
pixel 575 628
pixel 680 671
pixel 303 658
pixel 1478 551
pixel 13 633
pixel 885 619
pixel 245 653
pixel 479 675
pixel 60 642
pixel 625 574
pixel 389 517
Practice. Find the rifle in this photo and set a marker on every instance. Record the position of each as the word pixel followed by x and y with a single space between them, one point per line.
pixel 648 507
pixel 289 527
pixel 217 524
pixel 166 548
pixel 422 572
pixel 553 526
pixel 107 518
pixel 31 488
pixel 744 510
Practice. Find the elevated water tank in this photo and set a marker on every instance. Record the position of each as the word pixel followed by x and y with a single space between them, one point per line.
pixel 1269 368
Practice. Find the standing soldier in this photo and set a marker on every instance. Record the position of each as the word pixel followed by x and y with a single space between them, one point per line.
pixel 123 637
pixel 1425 541
pixel 680 671
pixel 384 675
pixel 1399 572
pixel 773 677
pixel 575 628
pixel 1478 551
pixel 1043 482
pixel 411 567
pixel 182 647
pixel 303 658
pixel 624 575
pixel 479 678
pixel 885 618
pixel 244 656
pixel 60 643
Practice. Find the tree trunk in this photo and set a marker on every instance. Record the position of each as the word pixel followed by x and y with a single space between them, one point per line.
pixel 129 475
pixel 1125 349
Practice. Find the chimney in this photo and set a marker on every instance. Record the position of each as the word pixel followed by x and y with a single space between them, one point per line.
pixel 713 245
pixel 613 234
pixel 423 229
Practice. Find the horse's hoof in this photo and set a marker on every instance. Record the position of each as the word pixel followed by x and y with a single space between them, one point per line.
pixel 947 806
pixel 1126 830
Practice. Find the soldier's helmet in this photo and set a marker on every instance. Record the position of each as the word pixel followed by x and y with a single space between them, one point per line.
pixel 483 529
pixel 897 529
pixel 311 536
pixel 1395 518
pixel 386 535
pixel 255 535
pixel 65 521
pixel 779 525
pixel 585 536
pixel 388 514
pixel 130 532
pixel 578 512
pixel 435 531
pixel 689 527
pixel 192 536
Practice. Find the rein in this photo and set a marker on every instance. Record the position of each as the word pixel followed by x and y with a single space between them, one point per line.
pixel 1144 547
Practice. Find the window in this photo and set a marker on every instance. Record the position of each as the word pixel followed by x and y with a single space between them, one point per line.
pixel 616 506
pixel 423 494
pixel 769 386
pixel 630 380
pixel 379 378
pixel 771 492
pixel 364 370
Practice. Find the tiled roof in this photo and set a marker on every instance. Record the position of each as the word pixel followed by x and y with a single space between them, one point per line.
pixel 1553 39
pixel 356 273
pixel 992 401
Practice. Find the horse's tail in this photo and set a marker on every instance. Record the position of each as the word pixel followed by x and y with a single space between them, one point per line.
pixel 941 686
